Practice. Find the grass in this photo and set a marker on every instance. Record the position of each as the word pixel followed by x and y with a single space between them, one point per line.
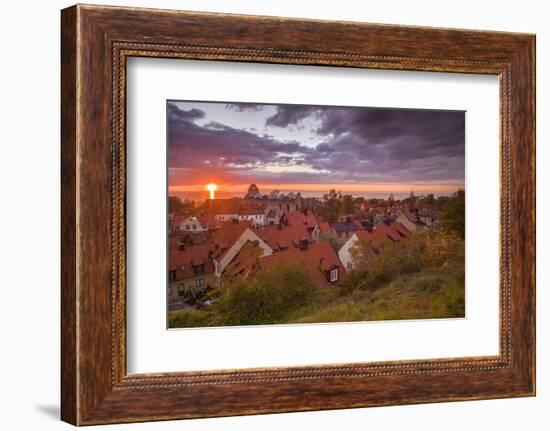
pixel 428 294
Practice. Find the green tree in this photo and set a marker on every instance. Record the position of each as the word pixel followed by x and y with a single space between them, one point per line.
pixel 347 204
pixel 266 296
pixel 331 206
pixel 175 205
pixel 359 200
pixel 429 199
pixel 452 219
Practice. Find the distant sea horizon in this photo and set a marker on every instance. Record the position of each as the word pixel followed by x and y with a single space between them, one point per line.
pixel 202 195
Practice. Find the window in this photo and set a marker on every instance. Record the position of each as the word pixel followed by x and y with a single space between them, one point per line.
pixel 172 275
pixel 199 282
pixel 199 269
pixel 194 227
pixel 349 265
pixel 169 291
pixel 334 275
pixel 181 289
pixel 183 267
pixel 187 227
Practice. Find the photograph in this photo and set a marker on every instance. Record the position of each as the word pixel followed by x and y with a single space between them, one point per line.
pixel 293 214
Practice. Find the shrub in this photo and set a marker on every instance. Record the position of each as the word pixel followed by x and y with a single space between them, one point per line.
pixel 429 284
pixel 186 319
pixel 375 265
pixel 267 296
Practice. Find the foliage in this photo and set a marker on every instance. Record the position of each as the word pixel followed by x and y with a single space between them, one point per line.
pixel 377 264
pixel 331 205
pixel 359 200
pixel 453 218
pixel 430 293
pixel 175 205
pixel 335 204
pixel 346 206
pixel 427 200
pixel 185 319
pixel 267 296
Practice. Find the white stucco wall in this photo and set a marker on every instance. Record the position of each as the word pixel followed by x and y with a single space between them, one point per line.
pixel 344 253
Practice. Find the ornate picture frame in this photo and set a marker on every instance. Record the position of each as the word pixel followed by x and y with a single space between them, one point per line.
pixel 96 41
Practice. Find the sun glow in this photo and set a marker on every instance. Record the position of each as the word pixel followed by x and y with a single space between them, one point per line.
pixel 211 187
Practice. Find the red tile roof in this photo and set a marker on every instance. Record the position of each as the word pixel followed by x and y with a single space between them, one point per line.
pixel 383 232
pixel 402 230
pixel 244 261
pixel 226 236
pixel 182 261
pixel 390 232
pixel 222 206
pixel 301 218
pixel 251 209
pixel 317 260
pixel 324 226
pixel 279 239
pixel 209 220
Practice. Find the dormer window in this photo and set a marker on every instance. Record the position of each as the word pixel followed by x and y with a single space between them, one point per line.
pixel 334 275
pixel 199 269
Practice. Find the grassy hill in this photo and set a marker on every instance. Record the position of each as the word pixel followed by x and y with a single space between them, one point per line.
pixel 428 294
pixel 432 293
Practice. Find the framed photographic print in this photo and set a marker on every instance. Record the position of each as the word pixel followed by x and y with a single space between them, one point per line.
pixel 322 214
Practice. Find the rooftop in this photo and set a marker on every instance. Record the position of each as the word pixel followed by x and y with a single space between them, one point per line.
pixel 317 260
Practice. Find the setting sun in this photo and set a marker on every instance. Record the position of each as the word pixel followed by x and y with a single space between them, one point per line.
pixel 211 187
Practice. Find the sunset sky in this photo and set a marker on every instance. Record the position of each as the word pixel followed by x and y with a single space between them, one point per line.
pixel 313 148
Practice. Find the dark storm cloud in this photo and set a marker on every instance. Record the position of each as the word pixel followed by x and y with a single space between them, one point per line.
pixel 356 145
pixel 369 144
pixel 215 146
pixel 175 115
pixel 287 115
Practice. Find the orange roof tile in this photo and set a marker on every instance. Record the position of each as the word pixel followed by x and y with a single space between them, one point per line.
pixel 244 261
pixel 183 261
pixel 251 210
pixel 226 236
pixel 209 220
pixel 301 218
pixel 317 260
pixel 390 232
pixel 324 226
pixel 402 230
pixel 285 237
pixel 222 206
pixel 383 232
